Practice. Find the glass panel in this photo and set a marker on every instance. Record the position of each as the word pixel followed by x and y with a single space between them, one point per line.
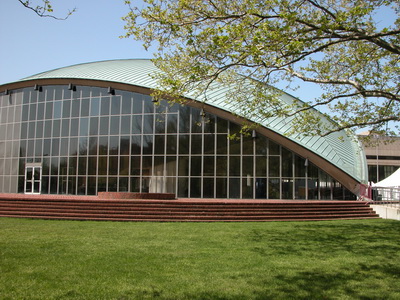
pixel 183 166
pixel 125 124
pixel 247 187
pixel 287 188
pixel 148 124
pixel 274 149
pixel 183 187
pixel 147 163
pixel 95 107
pixel 55 147
pixel 234 166
pixel 184 119
pixel 300 189
pixel 124 145
pixel 46 147
pixel 114 125
pixel 287 163
pixel 123 184
pixel 92 165
pixel 147 144
pixel 274 166
pixel 124 165
pixel 32 112
pixel 103 165
pixel 32 130
pixel 171 144
pixel 248 143
pixel 135 165
pixel 74 127
pixel 234 145
pixel 56 128
pixel 65 128
pixel 195 167
pixel 247 168
pixel 115 105
pixel 135 184
pixel 160 124
pixel 75 108
pixel 57 110
pixel 274 188
pixel 104 126
pixel 148 104
pixel 222 144
pixel 81 185
pixel 221 188
pixel 184 144
pixel 196 146
pixel 261 188
pixel 94 126
pixel 93 141
pixel 126 103
pixel 300 168
pixel 159 144
pixel 209 143
pixel 25 113
pixel 113 165
pixel 222 163
pixel 64 147
pixel 83 145
pixel 137 124
pixel 85 103
pixel 158 166
pixel 208 188
pixel 112 184
pixel 103 145
pixel 84 127
pixel 261 166
pixel 195 187
pixel 91 188
pixel 113 145
pixel 172 125
pixel 40 111
pixel 208 168
pixel 105 106
pixel 66 109
pixel 234 188
pixel 137 106
pixel 73 146
pixel 136 144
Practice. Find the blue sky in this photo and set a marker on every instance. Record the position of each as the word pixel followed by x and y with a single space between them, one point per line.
pixel 30 44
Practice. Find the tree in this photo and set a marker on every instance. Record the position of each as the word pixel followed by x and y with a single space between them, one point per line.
pixel 45 9
pixel 339 45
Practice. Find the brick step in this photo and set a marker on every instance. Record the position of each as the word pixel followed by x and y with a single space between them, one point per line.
pixel 91 208
pixel 183 205
pixel 94 211
pixel 175 207
pixel 178 217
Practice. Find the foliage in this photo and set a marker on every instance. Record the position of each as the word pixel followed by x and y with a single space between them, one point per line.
pixel 357 259
pixel 45 9
pixel 343 46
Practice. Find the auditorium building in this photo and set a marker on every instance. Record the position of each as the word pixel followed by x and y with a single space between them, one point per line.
pixel 93 127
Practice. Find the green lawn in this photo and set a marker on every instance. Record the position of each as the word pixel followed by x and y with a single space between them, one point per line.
pixel 42 259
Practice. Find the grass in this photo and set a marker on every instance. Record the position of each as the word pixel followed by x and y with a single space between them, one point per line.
pixel 357 259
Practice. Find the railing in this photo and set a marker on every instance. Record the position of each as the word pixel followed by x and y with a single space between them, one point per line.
pixel 388 196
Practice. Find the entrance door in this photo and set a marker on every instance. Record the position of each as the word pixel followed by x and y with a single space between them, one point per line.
pixel 33 179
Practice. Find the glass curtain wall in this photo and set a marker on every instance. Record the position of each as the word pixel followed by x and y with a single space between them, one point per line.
pixel 88 140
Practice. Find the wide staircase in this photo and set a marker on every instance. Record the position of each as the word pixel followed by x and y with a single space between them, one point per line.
pixel 180 210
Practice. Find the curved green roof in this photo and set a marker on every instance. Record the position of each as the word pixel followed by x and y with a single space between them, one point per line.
pixel 342 149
